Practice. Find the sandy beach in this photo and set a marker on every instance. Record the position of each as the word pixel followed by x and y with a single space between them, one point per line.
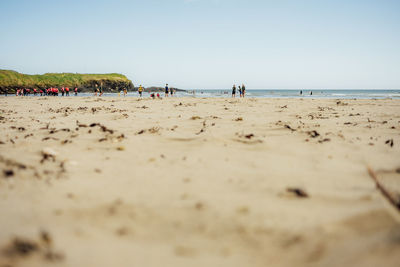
pixel 198 182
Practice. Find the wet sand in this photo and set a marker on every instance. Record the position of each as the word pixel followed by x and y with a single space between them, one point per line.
pixel 198 182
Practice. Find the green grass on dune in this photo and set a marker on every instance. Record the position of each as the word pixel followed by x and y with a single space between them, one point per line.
pixel 9 78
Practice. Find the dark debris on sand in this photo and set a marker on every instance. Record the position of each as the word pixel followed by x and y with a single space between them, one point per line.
pixel 23 247
pixel 313 134
pixel 389 142
pixel 8 173
pixel 300 193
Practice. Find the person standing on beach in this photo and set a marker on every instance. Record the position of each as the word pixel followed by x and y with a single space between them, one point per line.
pixel 234 91
pixel 67 91
pixel 243 90
pixel 166 90
pixel 140 90
pixel 240 91
pixel 76 91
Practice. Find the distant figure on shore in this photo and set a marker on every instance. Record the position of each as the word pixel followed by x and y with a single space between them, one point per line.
pixel 76 91
pixel 140 90
pixel 166 90
pixel 240 91
pixel 301 92
pixel 67 91
pixel 243 90
pixel 311 93
pixel 234 91
pixel 125 91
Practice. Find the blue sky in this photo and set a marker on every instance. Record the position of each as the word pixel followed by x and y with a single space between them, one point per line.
pixel 281 44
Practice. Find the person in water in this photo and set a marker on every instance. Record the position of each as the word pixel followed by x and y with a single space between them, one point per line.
pixel 234 91
pixel 166 90
pixel 243 90
pixel 140 90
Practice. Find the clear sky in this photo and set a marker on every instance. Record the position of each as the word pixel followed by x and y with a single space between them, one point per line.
pixel 266 44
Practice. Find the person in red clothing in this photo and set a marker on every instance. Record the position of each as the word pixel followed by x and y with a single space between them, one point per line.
pixel 34 91
pixel 67 91
pixel 41 92
pixel 76 91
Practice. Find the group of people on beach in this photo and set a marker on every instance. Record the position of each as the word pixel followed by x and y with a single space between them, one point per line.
pixel 168 90
pixel 52 91
pixel 242 90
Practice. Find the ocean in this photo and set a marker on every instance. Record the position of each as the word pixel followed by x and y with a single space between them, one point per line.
pixel 278 93
pixel 271 93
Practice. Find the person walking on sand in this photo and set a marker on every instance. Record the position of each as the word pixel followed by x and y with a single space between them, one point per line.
pixel 125 91
pixel 243 90
pixel 140 90
pixel 76 91
pixel 166 90
pixel 240 91
pixel 234 91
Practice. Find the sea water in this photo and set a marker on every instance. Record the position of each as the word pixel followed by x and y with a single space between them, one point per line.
pixel 274 93
pixel 278 93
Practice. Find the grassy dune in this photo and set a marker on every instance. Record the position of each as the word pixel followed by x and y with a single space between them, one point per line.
pixel 11 80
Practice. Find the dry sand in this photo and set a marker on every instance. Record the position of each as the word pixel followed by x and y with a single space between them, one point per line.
pixel 197 182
